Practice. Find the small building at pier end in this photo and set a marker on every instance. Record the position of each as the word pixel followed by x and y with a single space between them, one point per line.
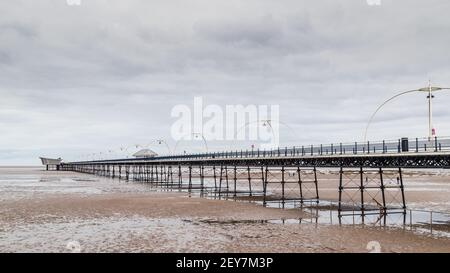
pixel 51 163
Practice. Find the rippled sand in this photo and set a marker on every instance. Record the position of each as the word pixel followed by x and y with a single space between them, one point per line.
pixel 64 212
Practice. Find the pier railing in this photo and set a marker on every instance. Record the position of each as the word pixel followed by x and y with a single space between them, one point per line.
pixel 403 145
pixel 384 147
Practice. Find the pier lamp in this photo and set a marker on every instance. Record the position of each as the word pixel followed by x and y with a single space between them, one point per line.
pixel 122 150
pixel 196 136
pixel 125 149
pixel 263 122
pixel 200 136
pixel 268 124
pixel 429 90
pixel 161 142
pixel 110 153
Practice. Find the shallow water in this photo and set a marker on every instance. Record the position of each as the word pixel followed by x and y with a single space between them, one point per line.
pixel 16 183
pixel 110 234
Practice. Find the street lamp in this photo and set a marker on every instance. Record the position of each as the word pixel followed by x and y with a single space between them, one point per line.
pixel 196 136
pixel 125 149
pixel 200 135
pixel 160 142
pixel 263 122
pixel 429 89
pixel 268 124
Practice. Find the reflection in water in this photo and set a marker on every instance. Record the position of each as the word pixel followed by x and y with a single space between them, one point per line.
pixel 326 213
pixel 424 222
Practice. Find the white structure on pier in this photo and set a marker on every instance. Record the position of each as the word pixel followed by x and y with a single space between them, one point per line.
pixel 145 153
pixel 51 163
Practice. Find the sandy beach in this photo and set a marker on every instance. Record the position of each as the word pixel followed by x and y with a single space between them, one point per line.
pixel 71 212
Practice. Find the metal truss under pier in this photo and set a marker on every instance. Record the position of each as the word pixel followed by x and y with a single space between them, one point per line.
pixel 368 188
pixel 434 160
pixel 369 174
pixel 265 184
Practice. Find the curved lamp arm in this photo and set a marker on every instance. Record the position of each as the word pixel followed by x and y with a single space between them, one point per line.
pixel 125 149
pixel 381 106
pixel 160 141
pixel 204 141
pixel 433 89
pixel 193 134
pixel 268 122
pixel 165 142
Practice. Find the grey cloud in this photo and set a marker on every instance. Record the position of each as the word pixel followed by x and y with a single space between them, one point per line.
pixel 107 73
pixel 5 58
pixel 18 29
pixel 259 32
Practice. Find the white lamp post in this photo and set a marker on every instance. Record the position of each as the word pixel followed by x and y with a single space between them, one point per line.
pixel 196 136
pixel 429 89
pixel 160 142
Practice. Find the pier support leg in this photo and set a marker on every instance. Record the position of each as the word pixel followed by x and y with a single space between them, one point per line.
pixel 371 191
pixel 220 180
pixel 265 183
pixel 341 171
pixel 316 183
pixel 190 178
pixel 180 177
pixel 249 177
pixel 235 181
pixel 283 201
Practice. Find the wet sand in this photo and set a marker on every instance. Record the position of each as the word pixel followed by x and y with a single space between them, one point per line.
pixel 424 189
pixel 64 212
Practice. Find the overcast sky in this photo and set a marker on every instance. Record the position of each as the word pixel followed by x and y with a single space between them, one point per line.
pixel 106 74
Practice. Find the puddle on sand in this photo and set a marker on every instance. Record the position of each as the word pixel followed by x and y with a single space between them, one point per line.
pixel 240 222
pixel 418 221
pixel 110 234
pixel 326 213
pixel 30 182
